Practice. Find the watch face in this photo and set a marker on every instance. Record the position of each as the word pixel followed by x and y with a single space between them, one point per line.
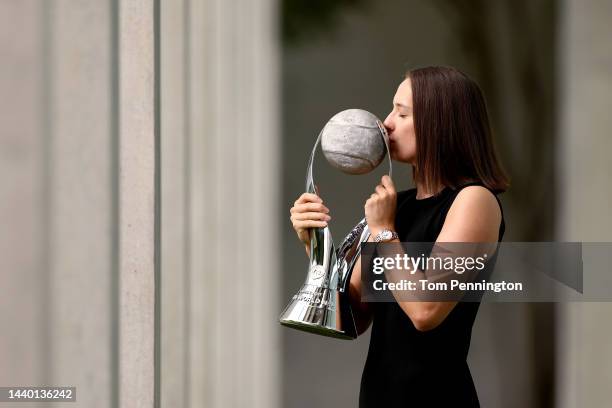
pixel 386 234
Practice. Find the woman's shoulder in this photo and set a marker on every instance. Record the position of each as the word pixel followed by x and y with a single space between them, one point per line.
pixel 478 197
pixel 473 185
pixel 475 205
pixel 477 192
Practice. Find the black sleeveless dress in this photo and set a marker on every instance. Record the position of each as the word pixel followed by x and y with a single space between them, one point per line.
pixel 409 368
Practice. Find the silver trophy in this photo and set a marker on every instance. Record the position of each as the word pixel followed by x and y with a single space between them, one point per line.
pixel 354 141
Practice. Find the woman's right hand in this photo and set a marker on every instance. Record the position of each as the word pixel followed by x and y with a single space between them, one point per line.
pixel 308 212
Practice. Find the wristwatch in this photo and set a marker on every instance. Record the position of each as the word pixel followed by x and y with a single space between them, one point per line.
pixel 385 236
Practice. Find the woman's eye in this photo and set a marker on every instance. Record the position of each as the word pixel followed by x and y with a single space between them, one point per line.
pixel 403 116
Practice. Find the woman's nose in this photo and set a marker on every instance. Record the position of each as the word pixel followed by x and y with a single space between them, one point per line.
pixel 388 123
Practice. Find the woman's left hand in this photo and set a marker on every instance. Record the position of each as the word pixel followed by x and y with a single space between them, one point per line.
pixel 380 207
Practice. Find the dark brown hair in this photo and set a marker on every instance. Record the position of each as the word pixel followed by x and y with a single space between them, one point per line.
pixel 453 135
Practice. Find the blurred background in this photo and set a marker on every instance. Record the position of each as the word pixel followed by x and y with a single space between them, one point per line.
pixel 150 151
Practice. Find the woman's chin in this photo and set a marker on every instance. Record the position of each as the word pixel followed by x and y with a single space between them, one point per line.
pixel 397 158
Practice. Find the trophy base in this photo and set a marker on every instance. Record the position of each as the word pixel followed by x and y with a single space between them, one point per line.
pixel 314 310
pixel 316 329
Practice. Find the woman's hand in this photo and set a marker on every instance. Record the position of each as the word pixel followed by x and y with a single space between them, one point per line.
pixel 308 212
pixel 380 207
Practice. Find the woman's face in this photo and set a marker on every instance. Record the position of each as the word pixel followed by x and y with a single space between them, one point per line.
pixel 400 125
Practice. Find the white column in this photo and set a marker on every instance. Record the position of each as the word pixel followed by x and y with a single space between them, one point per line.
pixel 175 224
pixel 241 198
pixel 584 357
pixel 228 191
pixel 200 174
pixel 220 187
pixel 136 102
pixel 102 200
pixel 23 343
pixel 81 199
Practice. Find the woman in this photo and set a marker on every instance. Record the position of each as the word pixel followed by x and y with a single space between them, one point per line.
pixel 418 350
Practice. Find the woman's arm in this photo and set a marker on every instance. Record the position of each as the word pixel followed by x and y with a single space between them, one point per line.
pixel 474 216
